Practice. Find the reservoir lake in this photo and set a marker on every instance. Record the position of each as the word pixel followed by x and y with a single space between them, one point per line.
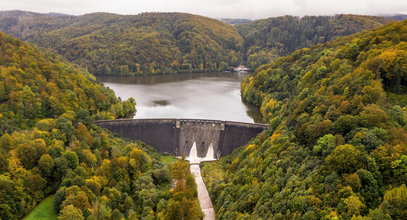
pixel 189 95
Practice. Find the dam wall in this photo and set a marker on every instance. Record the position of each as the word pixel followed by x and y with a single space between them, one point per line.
pixel 176 136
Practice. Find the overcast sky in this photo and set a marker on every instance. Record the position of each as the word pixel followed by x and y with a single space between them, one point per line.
pixel 252 9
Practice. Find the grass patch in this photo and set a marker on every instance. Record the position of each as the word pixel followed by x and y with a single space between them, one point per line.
pixel 168 159
pixel 212 172
pixel 44 211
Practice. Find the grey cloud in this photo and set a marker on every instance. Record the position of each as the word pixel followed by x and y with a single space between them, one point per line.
pixel 253 9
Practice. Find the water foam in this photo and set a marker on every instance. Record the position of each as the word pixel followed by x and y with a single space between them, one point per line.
pixel 193 154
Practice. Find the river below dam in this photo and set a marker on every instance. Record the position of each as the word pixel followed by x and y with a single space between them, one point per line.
pixel 189 95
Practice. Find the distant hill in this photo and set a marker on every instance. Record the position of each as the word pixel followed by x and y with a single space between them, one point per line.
pixel 26 25
pixel 235 21
pixel 398 17
pixel 336 147
pixel 267 39
pixel 154 43
pixel 148 43
pixel 58 14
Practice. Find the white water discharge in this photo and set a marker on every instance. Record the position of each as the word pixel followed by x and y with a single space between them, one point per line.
pixel 193 155
pixel 209 154
pixel 203 195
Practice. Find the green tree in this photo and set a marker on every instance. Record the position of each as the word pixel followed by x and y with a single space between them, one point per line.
pixel 72 158
pixel 344 159
pixel 46 164
pixel 353 205
pixel 395 202
pixel 70 213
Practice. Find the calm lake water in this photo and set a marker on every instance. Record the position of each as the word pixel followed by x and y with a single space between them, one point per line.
pixel 194 95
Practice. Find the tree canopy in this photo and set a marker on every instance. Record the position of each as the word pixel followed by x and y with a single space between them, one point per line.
pixel 336 147
pixel 267 39
pixel 48 145
pixel 148 43
pixel 160 43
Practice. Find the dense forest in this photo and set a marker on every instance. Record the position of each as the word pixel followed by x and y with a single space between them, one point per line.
pixel 267 39
pixel 336 146
pixel 147 43
pixel 48 145
pixel 36 84
pixel 154 43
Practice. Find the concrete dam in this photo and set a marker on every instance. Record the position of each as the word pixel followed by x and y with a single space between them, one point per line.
pixel 177 136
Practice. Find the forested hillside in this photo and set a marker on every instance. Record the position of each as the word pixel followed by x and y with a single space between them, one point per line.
pixel 267 39
pixel 48 145
pixel 337 143
pixel 26 25
pixel 148 43
pixel 152 43
pixel 35 84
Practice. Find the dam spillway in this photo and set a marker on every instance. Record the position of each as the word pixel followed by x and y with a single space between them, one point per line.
pixel 176 136
pixel 193 155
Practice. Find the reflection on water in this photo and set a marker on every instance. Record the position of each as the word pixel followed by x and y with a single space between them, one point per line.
pixel 194 95
pixel 161 102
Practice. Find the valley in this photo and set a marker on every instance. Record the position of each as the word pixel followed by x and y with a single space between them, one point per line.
pixel 330 90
